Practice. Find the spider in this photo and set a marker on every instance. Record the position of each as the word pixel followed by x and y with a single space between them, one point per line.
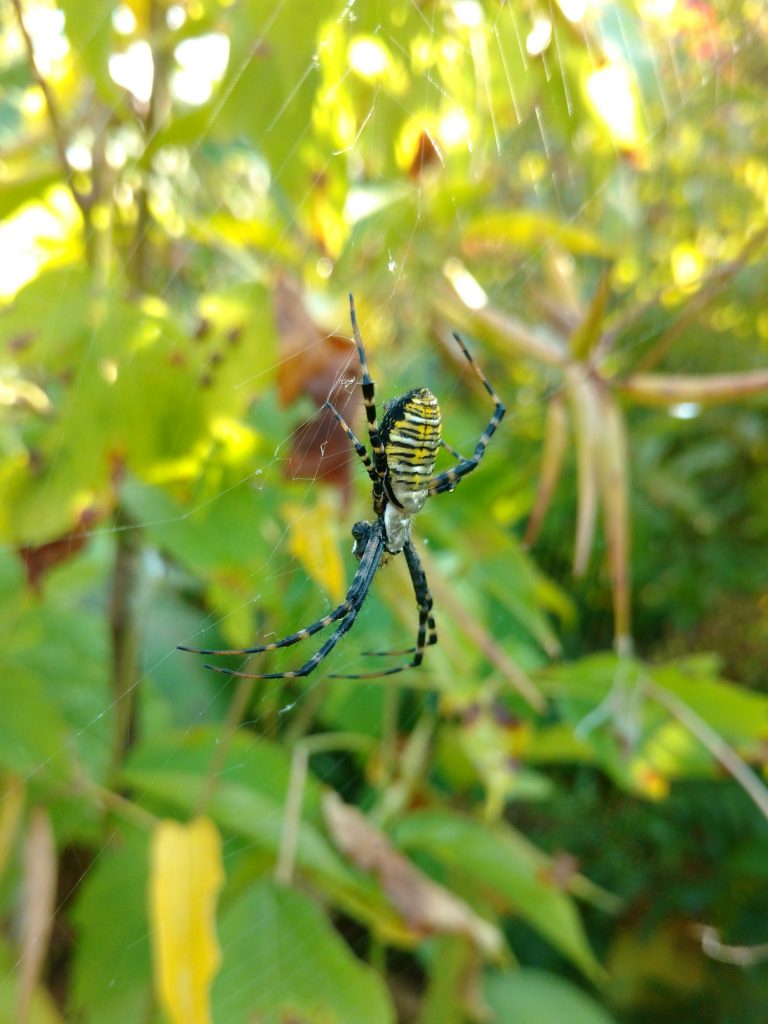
pixel 401 467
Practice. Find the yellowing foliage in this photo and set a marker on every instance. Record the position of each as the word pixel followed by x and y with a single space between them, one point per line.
pixel 314 540
pixel 185 878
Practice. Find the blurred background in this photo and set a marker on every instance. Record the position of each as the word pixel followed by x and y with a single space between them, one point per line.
pixel 559 816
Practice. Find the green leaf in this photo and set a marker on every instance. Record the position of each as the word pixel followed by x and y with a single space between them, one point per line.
pixel 531 996
pixel 89 29
pixel 735 712
pixel 41 1010
pixel 530 229
pixel 112 967
pixel 589 331
pixel 53 677
pixel 283 961
pixel 276 47
pixel 20 190
pixel 497 864
pixel 249 801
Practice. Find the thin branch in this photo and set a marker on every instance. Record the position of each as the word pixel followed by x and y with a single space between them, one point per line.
pixel 711 287
pixel 57 128
pixel 482 639
pixel 230 726
pixel 304 749
pixel 123 629
pixel 741 956
pixel 120 805
pixel 714 742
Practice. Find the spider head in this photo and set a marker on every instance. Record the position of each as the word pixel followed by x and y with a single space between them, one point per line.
pixel 361 533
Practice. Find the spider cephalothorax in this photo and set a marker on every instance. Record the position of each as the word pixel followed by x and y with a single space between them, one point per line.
pixel 401 468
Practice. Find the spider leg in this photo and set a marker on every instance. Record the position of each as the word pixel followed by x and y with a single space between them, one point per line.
pixel 449 448
pixel 427 633
pixel 358 445
pixel 356 595
pixel 447 480
pixel 369 401
pixel 288 641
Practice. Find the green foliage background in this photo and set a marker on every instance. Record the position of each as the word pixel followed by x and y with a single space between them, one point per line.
pixel 173 267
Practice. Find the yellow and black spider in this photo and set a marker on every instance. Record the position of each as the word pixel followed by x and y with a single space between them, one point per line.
pixel 401 467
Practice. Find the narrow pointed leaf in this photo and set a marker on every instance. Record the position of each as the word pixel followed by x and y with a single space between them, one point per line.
pixel 661 389
pixel 555 443
pixel 584 403
pixel 613 481
pixel 40 869
pixel 589 331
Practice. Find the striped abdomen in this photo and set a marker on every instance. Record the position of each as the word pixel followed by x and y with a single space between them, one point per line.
pixel 410 431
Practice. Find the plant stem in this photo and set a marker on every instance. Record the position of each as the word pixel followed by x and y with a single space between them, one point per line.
pixel 122 621
pixel 714 742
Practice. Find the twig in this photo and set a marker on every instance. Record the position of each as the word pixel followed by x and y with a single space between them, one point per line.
pixel 713 741
pixel 231 724
pixel 129 810
pixel 59 137
pixel 741 956
pixel 709 290
pixel 289 841
pixel 122 621
pixel 483 640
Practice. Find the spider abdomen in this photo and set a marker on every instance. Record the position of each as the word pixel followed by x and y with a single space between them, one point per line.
pixel 410 432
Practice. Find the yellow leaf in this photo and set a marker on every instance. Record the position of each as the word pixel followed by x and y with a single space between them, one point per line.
pixel 185 878
pixel 314 540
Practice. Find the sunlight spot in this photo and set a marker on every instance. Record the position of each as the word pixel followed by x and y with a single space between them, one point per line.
pixel 687 265
pixel 612 92
pixel 123 20
pixel 46 27
pixel 469 13
pixel 685 410
pixel 324 267
pixel 454 128
pixel 368 57
pixel 467 287
pixel 175 17
pixel 115 154
pixel 202 62
pixel 659 8
pixel 391 262
pixel 108 370
pixel 33 102
pixel 539 37
pixel 422 55
pixel 34 237
pixel 626 271
pixel 134 70
pixel 365 202
pixel 79 157
pixel 450 51
pixel 574 10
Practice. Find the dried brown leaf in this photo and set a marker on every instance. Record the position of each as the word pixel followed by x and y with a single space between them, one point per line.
pixel 581 390
pixel 427 908
pixel 662 389
pixel 38 907
pixel 613 482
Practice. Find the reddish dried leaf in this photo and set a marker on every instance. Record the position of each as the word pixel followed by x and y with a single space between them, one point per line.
pixel 324 368
pixel 427 155
pixel 39 560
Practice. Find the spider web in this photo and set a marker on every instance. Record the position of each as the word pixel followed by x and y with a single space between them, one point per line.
pixel 673 84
